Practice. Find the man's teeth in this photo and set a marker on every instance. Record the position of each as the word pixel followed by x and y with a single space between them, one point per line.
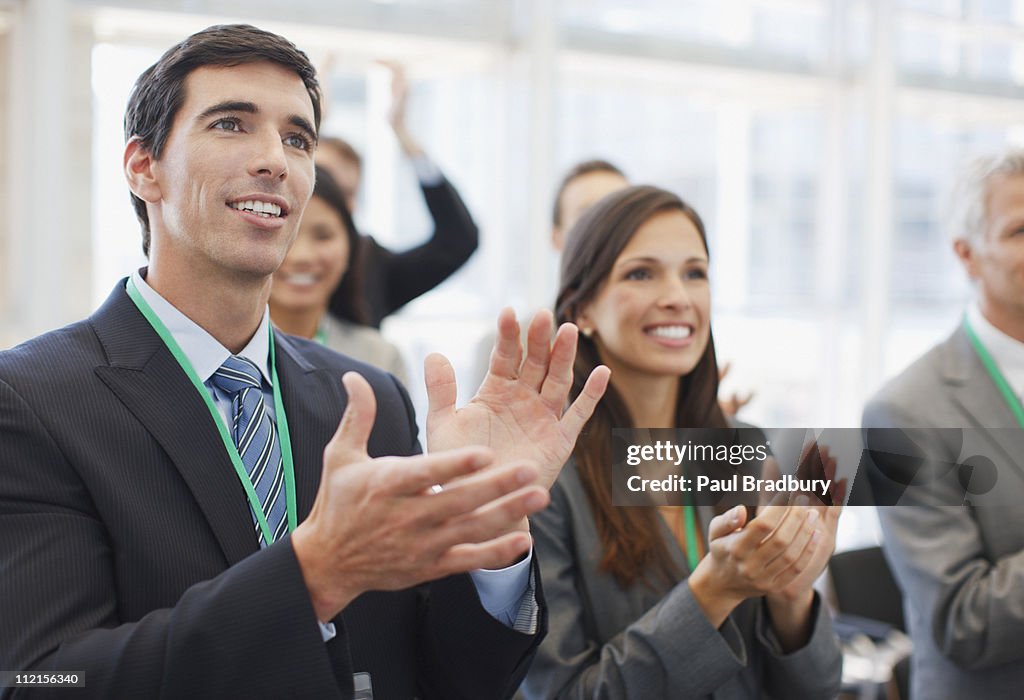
pixel 265 209
pixel 301 279
pixel 673 332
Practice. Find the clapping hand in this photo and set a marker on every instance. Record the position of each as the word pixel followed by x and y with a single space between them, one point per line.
pixel 377 525
pixel 519 411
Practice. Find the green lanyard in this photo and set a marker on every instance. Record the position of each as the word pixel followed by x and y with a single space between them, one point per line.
pixel 993 371
pixel 218 419
pixel 692 553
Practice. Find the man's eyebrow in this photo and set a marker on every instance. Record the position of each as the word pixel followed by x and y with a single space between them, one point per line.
pixel 251 108
pixel 228 106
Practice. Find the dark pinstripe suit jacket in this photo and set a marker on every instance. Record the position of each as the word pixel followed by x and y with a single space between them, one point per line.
pixel 127 550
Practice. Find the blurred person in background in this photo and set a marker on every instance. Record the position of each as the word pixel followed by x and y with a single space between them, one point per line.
pixel 961 567
pixel 666 601
pixel 324 261
pixel 580 188
pixel 392 279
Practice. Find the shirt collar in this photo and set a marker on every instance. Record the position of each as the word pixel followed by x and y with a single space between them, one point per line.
pixel 1007 352
pixel 203 351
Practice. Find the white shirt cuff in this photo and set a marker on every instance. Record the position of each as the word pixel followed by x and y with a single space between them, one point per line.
pixel 501 590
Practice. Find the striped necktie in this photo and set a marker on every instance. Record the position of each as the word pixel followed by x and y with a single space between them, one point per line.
pixel 255 436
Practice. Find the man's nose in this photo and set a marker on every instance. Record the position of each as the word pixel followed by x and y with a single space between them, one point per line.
pixel 268 158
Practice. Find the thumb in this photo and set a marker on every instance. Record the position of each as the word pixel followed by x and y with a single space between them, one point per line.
pixel 728 522
pixel 349 441
pixel 442 390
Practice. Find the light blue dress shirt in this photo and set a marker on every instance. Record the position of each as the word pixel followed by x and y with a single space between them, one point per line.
pixel 506 594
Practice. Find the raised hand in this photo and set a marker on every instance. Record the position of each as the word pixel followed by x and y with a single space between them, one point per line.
pixel 377 525
pixel 397 110
pixel 519 411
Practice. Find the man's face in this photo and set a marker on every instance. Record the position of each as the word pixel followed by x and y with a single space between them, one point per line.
pixel 579 195
pixel 235 173
pixel 995 257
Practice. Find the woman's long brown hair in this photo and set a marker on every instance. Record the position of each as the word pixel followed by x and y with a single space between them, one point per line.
pixel 634 549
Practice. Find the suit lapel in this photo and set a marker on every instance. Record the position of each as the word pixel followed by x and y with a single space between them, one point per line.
pixel 977 396
pixel 147 379
pixel 313 401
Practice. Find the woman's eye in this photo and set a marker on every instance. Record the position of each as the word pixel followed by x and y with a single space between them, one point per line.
pixel 696 274
pixel 638 274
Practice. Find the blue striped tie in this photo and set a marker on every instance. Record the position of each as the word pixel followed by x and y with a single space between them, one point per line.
pixel 255 436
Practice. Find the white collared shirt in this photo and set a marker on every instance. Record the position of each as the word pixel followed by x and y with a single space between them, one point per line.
pixel 1007 352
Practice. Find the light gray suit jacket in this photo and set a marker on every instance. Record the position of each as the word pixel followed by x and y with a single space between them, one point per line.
pixel 606 642
pixel 961 567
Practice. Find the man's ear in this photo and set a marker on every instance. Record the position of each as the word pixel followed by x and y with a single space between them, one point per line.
pixel 964 250
pixel 138 170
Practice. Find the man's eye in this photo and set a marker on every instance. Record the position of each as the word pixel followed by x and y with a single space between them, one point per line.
pixel 227 125
pixel 298 141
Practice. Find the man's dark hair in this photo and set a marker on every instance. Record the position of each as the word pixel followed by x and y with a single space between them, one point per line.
pixel 579 170
pixel 160 91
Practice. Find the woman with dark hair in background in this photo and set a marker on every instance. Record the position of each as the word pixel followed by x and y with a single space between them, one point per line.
pixel 661 602
pixel 325 262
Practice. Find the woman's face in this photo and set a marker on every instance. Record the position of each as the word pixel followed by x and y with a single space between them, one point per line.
pixel 316 261
pixel 651 316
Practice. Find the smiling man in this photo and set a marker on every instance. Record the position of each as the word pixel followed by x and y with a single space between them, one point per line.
pixel 192 505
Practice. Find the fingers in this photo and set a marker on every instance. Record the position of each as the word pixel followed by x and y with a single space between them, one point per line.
pixel 411 476
pixel 723 371
pixel 559 378
pixel 469 493
pixel 442 389
pixel 507 353
pixel 801 561
pixel 493 519
pixel 583 407
pixel 353 433
pixel 538 350
pixel 726 523
pixel 797 535
pixel 487 555
pixel 758 530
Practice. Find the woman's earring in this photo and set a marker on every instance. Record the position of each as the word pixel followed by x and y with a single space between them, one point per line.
pixel 587 332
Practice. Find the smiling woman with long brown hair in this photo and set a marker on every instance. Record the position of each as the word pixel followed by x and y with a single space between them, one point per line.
pixel 643 601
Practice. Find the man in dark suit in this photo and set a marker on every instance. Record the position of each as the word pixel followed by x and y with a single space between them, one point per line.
pixel 188 503
pixel 955 536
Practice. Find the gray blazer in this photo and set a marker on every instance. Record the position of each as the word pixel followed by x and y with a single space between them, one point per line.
pixel 961 567
pixel 606 642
